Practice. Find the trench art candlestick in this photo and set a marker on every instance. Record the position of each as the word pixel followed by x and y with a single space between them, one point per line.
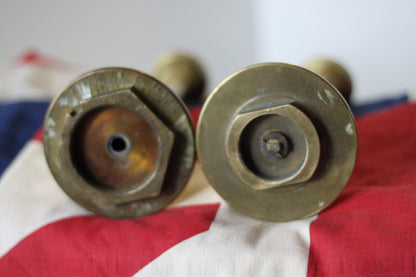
pixel 277 141
pixel 119 142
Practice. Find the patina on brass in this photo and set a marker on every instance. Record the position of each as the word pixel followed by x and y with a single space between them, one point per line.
pixel 255 138
pixel 119 143
pixel 334 73
pixel 277 141
pixel 183 74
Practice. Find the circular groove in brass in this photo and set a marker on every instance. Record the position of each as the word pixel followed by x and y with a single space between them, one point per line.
pixel 256 90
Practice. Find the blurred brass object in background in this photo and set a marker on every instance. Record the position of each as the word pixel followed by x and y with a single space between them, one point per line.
pixel 277 141
pixel 119 143
pixel 333 73
pixel 183 74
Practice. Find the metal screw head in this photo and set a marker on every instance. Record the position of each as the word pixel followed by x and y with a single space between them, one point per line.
pixel 276 144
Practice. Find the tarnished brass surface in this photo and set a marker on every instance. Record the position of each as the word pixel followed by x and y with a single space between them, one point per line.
pixel 183 74
pixel 119 143
pixel 334 73
pixel 277 141
pixel 249 142
pixel 116 147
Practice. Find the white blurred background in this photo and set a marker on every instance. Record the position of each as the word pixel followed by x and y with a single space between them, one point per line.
pixel 374 40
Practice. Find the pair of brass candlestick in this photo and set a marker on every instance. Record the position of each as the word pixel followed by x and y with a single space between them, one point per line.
pixel 277 141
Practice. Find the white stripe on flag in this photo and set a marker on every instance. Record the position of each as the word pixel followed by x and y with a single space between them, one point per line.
pixel 237 245
pixel 33 82
pixel 30 197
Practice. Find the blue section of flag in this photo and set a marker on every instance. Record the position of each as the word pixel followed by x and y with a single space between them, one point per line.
pixel 18 123
pixel 378 105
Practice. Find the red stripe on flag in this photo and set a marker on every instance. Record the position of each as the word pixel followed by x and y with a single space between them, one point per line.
pixel 370 229
pixel 194 112
pixel 30 57
pixel 34 57
pixel 97 246
pixel 38 135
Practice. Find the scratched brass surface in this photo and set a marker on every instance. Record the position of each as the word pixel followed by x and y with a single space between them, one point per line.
pixel 119 142
pixel 254 172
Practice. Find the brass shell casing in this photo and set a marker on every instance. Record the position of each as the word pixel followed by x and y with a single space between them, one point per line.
pixel 119 142
pixel 277 141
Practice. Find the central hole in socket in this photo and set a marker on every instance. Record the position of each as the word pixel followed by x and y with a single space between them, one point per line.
pixel 118 145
